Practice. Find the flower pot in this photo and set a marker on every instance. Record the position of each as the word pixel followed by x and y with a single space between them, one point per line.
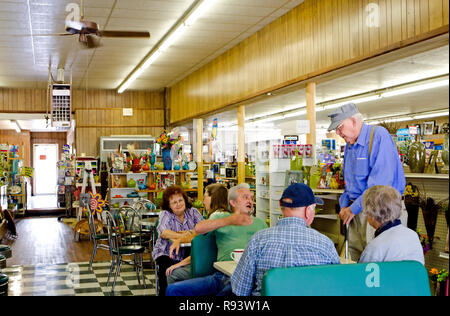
pixel 136 168
pixel 167 159
pixel 441 288
pixel 430 212
pixel 412 208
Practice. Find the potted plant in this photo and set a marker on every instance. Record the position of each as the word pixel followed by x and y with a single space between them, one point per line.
pixel 440 281
pixel 166 141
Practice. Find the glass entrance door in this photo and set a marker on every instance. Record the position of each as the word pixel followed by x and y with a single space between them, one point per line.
pixel 45 157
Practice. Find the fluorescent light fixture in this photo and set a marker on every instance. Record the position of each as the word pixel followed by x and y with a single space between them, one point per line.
pixel 269 119
pixel 296 113
pixel 199 11
pixel 151 59
pixel 436 114
pixel 367 99
pixel 415 88
pixel 133 77
pixel 167 42
pixel 16 126
pixel 358 100
pixel 172 38
pixel 398 119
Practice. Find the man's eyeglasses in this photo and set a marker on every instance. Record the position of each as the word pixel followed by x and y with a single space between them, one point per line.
pixel 338 129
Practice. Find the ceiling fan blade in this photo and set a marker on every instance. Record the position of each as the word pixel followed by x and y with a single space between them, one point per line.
pixel 50 34
pixel 123 34
pixel 73 26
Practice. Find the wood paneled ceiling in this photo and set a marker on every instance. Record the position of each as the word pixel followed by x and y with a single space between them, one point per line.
pixel 24 60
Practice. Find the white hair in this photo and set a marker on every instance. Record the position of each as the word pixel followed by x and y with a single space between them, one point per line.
pixel 233 194
pixel 358 117
pixel 383 203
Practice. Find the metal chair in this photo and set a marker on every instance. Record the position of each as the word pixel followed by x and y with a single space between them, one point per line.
pixel 96 238
pixel 116 237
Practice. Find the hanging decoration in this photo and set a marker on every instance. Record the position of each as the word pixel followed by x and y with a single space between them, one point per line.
pixel 96 203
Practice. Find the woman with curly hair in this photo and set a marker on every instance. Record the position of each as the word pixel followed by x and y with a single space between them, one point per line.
pixel 177 220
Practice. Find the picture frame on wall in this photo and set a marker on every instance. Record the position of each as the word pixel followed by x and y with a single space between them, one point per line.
pixel 428 128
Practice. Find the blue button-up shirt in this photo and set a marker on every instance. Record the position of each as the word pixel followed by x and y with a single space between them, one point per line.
pixel 361 172
pixel 288 244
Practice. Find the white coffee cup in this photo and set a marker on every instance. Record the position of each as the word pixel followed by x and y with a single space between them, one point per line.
pixel 236 254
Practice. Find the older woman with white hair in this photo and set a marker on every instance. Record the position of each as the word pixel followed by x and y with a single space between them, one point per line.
pixel 393 242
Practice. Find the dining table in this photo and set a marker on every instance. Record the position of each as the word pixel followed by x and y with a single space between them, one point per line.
pixel 228 267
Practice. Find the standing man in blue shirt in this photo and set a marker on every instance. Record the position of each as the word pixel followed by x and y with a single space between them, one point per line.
pixel 370 158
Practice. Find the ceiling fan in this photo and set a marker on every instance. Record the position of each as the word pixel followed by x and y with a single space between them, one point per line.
pixel 89 32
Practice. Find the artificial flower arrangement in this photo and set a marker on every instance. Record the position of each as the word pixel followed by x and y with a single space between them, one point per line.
pixel 167 140
pixel 424 241
pixel 440 281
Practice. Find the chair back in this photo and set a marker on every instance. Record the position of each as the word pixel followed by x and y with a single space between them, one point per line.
pixel 203 255
pixel 91 222
pixel 141 205
pixel 131 220
pixel 401 278
pixel 114 236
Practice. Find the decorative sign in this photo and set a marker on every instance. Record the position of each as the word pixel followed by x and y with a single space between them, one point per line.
pixel 27 172
pixel 290 139
pixel 96 203
pixel 127 111
pixel 214 129
pixel 413 130
pixel 403 132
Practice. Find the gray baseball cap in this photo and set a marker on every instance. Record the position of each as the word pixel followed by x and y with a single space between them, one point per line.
pixel 345 111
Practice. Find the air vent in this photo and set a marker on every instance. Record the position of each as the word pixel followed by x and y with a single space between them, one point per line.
pixel 61 105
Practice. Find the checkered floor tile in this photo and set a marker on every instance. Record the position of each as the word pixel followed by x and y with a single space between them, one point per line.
pixel 75 279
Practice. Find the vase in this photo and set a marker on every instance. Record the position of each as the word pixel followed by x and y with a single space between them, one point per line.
pixel 167 159
pixel 412 208
pixel 430 212
pixel 441 288
pixel 416 157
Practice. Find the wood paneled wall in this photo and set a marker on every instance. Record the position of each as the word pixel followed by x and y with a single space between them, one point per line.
pixel 59 138
pixel 312 39
pixel 97 113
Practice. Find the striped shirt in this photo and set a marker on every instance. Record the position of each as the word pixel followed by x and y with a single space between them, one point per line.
pixel 289 244
pixel 168 220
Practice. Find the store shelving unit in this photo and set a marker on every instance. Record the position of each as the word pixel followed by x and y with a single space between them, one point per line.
pixel 155 180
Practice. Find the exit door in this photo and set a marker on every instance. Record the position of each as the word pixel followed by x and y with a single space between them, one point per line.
pixel 45 157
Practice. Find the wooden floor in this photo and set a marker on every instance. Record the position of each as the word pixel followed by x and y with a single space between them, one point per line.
pixel 45 240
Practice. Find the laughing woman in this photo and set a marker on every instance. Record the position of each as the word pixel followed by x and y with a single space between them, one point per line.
pixel 177 220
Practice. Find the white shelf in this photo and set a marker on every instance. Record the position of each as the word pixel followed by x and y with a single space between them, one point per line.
pixel 443 255
pixel 439 176
pixel 327 216
pixel 87 185
pixel 328 191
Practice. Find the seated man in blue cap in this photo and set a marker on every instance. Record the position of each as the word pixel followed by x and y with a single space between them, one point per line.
pixel 291 243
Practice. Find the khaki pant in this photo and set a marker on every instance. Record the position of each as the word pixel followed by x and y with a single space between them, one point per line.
pixel 360 233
